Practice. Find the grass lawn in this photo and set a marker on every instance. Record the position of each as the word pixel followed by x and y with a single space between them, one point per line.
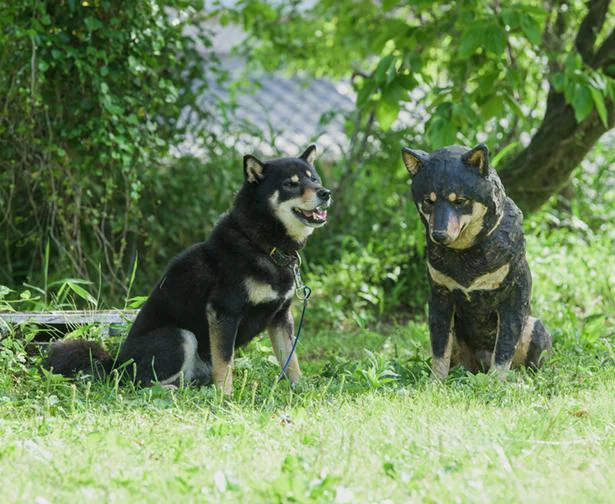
pixel 367 423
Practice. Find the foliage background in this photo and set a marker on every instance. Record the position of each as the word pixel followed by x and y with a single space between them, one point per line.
pixel 94 200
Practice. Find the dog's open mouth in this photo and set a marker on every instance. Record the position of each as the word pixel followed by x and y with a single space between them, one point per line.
pixel 315 217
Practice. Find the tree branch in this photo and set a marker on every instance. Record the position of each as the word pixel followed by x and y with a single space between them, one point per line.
pixel 605 53
pixel 552 36
pixel 590 27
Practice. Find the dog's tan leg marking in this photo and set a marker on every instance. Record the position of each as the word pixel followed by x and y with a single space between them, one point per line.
pixel 281 334
pixel 524 343
pixel 500 369
pixel 222 369
pixel 441 365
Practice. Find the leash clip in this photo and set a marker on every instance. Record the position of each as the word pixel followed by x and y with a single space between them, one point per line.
pixel 302 291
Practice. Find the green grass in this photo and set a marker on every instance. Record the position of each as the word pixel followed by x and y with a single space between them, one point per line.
pixel 366 424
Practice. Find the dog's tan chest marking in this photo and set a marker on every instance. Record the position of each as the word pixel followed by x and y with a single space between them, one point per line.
pixel 261 292
pixel 488 281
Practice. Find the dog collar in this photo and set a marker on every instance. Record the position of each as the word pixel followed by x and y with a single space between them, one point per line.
pixel 282 259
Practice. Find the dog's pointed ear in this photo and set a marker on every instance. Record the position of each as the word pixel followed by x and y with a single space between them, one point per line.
pixel 413 159
pixel 252 169
pixel 309 155
pixel 478 158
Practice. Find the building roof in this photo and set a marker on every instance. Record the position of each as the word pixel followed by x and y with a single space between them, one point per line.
pixel 276 113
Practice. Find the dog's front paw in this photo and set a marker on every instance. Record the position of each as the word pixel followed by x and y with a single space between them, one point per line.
pixel 440 367
pixel 295 378
pixel 225 388
pixel 225 385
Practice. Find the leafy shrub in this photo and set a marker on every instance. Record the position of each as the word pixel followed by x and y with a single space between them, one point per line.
pixel 92 99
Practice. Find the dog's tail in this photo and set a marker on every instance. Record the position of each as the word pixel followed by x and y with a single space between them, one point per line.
pixel 70 357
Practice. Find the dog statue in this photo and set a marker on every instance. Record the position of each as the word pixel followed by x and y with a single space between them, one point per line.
pixel 219 294
pixel 480 282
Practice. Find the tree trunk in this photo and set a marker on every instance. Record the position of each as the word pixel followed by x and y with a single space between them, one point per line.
pixel 556 149
pixel 561 143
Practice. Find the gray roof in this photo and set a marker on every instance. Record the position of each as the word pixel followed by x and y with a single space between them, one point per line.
pixel 279 113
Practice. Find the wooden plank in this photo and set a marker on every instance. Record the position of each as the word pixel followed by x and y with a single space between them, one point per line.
pixel 75 317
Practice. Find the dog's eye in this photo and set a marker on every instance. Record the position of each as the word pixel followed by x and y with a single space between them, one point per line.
pixel 291 183
pixel 427 201
pixel 461 201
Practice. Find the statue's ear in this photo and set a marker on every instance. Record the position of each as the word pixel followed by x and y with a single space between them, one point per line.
pixel 309 155
pixel 252 169
pixel 478 158
pixel 413 159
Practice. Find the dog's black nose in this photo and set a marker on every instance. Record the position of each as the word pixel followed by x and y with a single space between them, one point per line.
pixel 440 236
pixel 324 194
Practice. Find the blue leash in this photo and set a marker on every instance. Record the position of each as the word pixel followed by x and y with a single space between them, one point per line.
pixel 306 292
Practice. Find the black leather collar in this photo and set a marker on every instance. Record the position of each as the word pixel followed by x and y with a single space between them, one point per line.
pixel 282 259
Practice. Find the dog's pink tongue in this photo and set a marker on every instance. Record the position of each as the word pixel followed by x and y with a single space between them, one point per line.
pixel 321 214
pixel 307 213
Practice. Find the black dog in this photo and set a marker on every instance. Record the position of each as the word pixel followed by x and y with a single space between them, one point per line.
pixel 479 305
pixel 219 294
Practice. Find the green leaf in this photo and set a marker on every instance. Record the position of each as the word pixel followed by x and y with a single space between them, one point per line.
pixel 491 108
pixel 531 29
pixel 511 18
pixel 82 293
pixel 500 155
pixel 471 40
pixel 572 62
pixel 365 93
pixel 408 81
pixel 582 103
pixel 441 132
pixel 557 80
pixel 570 88
pixel 386 113
pixel 512 103
pixel 495 39
pixel 394 93
pixel 93 23
pixel 383 68
pixel 600 106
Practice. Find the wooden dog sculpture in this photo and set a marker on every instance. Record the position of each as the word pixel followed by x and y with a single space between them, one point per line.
pixel 479 304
